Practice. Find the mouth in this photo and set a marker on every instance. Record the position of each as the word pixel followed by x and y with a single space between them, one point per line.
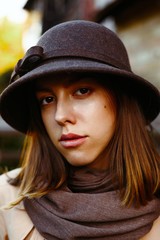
pixel 71 140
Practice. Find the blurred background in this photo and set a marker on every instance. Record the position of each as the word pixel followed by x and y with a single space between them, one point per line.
pixel 137 22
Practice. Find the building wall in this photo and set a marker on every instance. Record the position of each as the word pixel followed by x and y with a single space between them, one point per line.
pixel 142 40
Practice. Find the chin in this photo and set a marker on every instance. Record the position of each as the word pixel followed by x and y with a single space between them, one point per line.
pixel 79 163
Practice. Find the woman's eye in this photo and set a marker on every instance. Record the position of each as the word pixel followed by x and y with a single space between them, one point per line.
pixel 46 100
pixel 82 91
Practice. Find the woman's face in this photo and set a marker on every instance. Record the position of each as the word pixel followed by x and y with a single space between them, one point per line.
pixel 79 116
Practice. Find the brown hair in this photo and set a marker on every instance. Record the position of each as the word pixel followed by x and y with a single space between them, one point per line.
pixel 133 160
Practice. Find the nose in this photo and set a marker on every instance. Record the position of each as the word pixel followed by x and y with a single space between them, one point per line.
pixel 65 113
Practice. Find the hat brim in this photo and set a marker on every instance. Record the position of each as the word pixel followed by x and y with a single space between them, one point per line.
pixel 13 100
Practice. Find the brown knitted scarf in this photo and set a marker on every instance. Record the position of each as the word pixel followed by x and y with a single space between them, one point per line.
pixel 89 208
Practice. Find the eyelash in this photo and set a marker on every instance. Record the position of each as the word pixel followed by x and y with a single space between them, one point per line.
pixel 50 98
pixel 82 93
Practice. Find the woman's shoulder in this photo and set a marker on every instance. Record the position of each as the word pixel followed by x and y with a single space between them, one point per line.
pixel 7 191
pixel 11 174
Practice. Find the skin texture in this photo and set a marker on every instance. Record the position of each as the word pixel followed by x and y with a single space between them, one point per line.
pixel 82 107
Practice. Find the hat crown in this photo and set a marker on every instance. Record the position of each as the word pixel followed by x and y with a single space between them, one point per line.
pixel 86 36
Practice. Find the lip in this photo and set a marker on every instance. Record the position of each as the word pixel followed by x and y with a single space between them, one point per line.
pixel 71 140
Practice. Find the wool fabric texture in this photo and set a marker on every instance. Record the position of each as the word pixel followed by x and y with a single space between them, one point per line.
pixel 89 208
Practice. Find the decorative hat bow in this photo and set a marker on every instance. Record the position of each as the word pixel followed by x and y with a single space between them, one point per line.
pixel 32 58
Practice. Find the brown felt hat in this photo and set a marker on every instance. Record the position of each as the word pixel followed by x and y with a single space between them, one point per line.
pixel 74 47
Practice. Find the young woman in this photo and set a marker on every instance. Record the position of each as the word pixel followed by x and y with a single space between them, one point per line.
pixel 89 168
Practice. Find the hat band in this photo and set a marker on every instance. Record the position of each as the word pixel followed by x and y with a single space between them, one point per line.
pixel 35 56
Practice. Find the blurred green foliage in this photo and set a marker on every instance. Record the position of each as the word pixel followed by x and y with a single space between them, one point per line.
pixel 10 44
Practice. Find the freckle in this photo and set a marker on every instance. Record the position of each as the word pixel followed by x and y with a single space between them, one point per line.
pixel 104 106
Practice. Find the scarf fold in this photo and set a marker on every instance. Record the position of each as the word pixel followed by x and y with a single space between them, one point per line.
pixel 89 208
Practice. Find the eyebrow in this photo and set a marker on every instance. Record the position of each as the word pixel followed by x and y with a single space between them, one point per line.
pixel 66 83
pixel 42 85
pixel 40 88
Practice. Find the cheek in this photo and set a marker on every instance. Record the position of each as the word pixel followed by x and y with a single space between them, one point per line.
pixel 48 121
pixel 110 108
pixel 101 124
pixel 107 121
pixel 45 119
